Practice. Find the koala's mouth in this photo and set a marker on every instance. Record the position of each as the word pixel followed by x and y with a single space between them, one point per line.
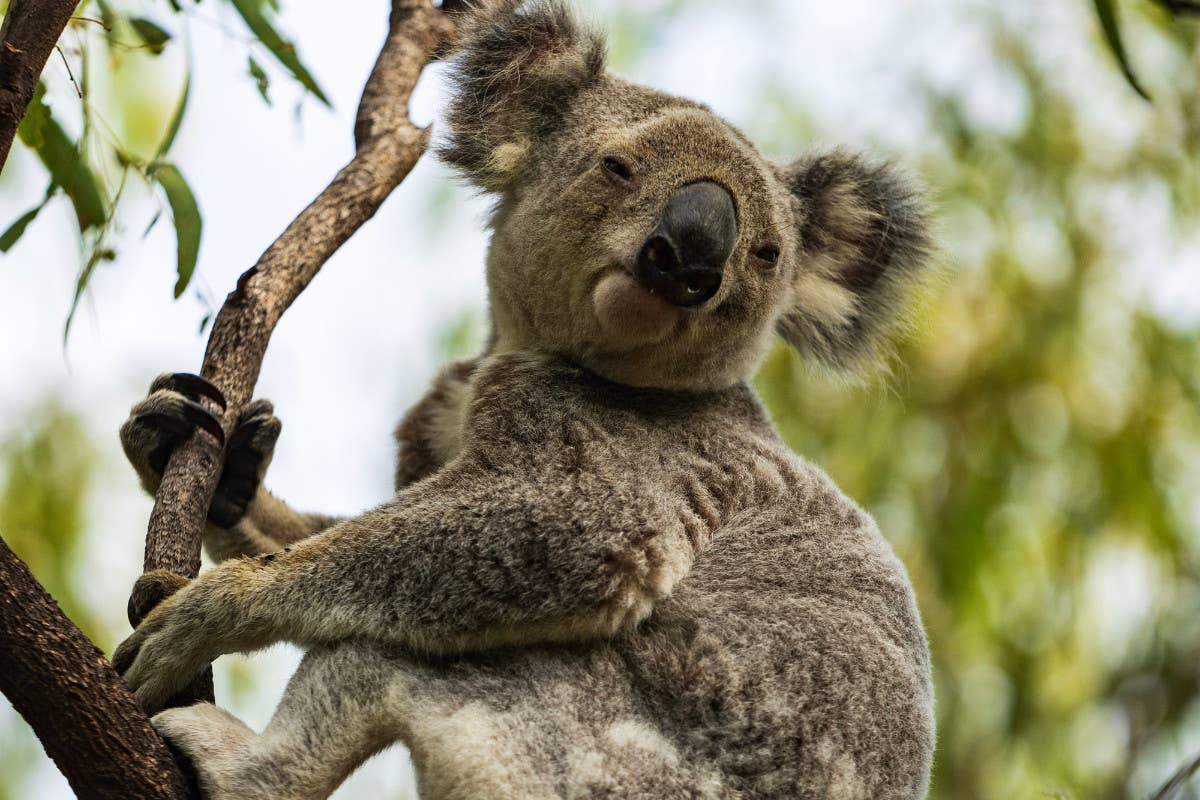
pixel 632 314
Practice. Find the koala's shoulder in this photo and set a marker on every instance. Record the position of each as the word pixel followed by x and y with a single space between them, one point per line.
pixel 522 399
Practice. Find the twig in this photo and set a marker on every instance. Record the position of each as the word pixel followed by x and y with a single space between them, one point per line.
pixel 1178 780
pixel 100 22
pixel 70 74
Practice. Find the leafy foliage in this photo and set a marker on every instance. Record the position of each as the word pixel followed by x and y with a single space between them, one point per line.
pixel 1106 12
pixel 80 161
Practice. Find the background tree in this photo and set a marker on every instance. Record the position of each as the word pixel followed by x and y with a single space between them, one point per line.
pixel 1035 460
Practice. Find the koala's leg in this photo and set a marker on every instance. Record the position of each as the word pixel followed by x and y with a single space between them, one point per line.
pixel 334 715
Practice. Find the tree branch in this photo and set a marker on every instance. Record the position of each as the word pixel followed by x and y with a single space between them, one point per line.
pixel 62 685
pixel 30 31
pixel 69 694
pixel 387 147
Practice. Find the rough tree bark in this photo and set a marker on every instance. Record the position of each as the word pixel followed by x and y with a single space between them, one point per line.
pixel 30 31
pixel 64 688
pixel 56 678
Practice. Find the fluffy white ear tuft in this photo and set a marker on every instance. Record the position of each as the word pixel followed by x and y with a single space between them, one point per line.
pixel 863 241
pixel 517 70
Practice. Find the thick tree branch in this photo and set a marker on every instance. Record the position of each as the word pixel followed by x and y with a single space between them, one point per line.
pixel 30 31
pixel 74 701
pixel 62 685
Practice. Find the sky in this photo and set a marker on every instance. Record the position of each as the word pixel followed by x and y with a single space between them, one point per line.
pixel 363 340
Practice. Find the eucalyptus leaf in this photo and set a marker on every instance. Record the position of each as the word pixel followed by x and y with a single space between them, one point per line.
pixel 151 33
pixel 260 79
pixel 188 223
pixel 153 221
pixel 176 118
pixel 17 229
pixel 252 12
pixel 98 254
pixel 41 133
pixel 1106 10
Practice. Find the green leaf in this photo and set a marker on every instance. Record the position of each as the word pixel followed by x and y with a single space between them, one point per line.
pixel 153 221
pixel 17 229
pixel 85 276
pixel 155 37
pixel 251 11
pixel 188 224
pixel 41 132
pixel 107 16
pixel 176 118
pixel 260 78
pixel 1106 10
pixel 14 231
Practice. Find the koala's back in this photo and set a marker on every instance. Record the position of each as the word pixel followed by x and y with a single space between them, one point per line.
pixel 790 662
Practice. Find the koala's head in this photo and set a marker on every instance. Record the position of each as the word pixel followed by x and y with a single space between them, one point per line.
pixel 646 239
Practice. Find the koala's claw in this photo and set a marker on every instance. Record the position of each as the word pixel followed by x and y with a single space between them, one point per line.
pixel 179 418
pixel 189 385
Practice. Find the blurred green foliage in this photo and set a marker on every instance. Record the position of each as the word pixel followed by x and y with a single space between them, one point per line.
pixel 1036 460
pixel 46 472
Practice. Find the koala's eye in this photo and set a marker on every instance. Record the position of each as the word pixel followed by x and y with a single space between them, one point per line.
pixel 767 256
pixel 617 168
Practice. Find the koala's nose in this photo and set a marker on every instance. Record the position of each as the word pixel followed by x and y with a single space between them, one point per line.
pixel 684 258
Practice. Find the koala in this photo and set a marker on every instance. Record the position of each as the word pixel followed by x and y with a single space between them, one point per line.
pixel 602 574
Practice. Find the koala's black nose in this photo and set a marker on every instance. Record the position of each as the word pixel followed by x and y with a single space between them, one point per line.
pixel 683 261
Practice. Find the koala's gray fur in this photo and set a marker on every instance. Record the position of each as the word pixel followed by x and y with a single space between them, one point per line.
pixel 603 574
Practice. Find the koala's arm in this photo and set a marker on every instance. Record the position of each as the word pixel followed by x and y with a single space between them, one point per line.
pixel 472 558
pixel 268 525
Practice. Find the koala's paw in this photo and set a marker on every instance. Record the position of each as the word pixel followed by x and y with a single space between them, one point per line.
pixel 162 655
pixel 249 454
pixel 172 412
pixel 165 418
pixel 217 744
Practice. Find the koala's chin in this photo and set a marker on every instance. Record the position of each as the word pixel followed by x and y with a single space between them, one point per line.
pixel 631 315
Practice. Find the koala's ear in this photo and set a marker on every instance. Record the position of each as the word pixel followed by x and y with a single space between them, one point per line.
pixel 863 241
pixel 518 67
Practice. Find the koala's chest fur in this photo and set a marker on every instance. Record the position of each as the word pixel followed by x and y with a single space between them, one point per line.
pixel 707 456
pixel 745 665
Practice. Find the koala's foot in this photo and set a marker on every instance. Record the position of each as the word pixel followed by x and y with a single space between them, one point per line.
pixel 295 758
pixel 166 417
pixel 246 460
pixel 172 412
pixel 218 745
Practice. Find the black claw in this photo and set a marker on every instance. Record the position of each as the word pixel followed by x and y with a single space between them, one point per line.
pixel 191 385
pixel 199 416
